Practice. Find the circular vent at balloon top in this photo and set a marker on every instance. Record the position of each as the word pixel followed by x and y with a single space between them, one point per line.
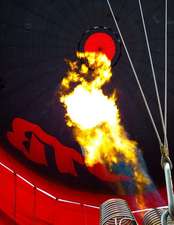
pixel 101 39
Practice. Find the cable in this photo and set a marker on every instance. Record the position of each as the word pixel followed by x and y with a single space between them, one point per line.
pixel 153 73
pixel 135 74
pixel 165 98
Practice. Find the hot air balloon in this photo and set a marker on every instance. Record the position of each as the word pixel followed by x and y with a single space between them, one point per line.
pixel 43 171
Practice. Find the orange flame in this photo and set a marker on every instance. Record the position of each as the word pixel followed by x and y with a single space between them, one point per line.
pixel 94 116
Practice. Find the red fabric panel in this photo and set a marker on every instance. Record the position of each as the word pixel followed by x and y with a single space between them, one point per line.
pixel 45 209
pixel 69 214
pixel 24 202
pixel 139 217
pixel 7 191
pixel 91 215
pixel 6 220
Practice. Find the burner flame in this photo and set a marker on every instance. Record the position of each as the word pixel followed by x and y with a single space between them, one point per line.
pixel 94 117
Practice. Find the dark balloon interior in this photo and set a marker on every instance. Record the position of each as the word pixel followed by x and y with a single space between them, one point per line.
pixel 37 36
